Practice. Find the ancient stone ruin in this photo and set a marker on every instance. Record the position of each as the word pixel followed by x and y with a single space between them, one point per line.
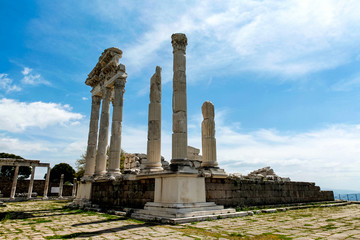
pixel 29 163
pixel 192 186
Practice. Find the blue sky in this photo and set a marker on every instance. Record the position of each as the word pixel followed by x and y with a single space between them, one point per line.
pixel 283 76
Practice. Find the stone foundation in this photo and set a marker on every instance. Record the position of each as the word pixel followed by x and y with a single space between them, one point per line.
pixel 123 193
pixel 235 192
pixel 228 192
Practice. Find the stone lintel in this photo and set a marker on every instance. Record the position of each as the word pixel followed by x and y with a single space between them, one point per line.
pixel 97 90
pixel 22 162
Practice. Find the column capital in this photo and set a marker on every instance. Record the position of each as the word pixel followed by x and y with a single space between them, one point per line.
pixel 96 99
pixel 106 93
pixel 120 83
pixel 179 42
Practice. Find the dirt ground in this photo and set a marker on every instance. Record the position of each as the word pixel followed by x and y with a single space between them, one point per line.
pixel 49 220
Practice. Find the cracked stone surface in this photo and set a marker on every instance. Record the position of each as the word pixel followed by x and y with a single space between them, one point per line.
pixel 48 220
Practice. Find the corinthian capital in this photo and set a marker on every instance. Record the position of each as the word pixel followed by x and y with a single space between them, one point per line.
pixel 179 42
pixel 120 83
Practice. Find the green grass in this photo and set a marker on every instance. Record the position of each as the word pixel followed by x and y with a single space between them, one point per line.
pixel 5 218
pixel 330 220
pixel 135 220
pixel 328 227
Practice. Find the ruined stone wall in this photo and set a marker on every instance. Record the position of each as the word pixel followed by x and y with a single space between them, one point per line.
pixel 228 192
pixel 234 192
pixel 23 185
pixel 123 193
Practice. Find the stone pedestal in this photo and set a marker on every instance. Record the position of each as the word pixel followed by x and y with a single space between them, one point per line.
pixel 178 196
pixel 83 194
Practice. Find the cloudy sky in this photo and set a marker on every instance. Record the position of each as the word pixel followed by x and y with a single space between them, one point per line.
pixel 283 76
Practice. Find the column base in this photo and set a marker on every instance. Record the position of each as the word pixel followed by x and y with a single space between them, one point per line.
pixel 113 175
pixel 213 172
pixel 182 166
pixel 150 169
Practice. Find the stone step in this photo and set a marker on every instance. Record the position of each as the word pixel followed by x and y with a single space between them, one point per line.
pixel 147 217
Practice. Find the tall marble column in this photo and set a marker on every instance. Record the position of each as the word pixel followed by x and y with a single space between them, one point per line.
pixel 115 141
pixel 100 168
pixel 208 136
pixel 46 187
pixel 179 136
pixel 93 135
pixel 153 162
pixel 13 187
pixel 31 184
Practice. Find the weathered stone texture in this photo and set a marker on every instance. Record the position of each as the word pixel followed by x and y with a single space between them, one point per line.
pixel 228 192
pixel 233 192
pixel 123 193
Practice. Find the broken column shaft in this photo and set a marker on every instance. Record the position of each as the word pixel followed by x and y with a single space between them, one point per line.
pixel 208 136
pixel 153 162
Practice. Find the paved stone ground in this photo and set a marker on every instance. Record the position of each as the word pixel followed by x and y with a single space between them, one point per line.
pixel 48 220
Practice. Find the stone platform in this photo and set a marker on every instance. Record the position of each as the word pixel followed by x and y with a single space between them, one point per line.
pixel 183 213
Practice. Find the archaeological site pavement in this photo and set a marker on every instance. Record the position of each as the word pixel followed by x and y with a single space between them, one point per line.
pixel 50 220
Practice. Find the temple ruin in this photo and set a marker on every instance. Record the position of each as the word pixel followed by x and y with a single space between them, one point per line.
pixel 28 163
pixel 192 186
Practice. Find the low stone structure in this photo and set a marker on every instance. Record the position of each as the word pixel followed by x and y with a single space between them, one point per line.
pixel 28 163
pixel 229 192
pixel 22 187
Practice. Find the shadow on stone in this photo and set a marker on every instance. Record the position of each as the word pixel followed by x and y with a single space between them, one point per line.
pixel 95 233
pixel 100 221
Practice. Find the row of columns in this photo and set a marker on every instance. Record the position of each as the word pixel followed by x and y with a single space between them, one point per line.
pixel 31 184
pixel 97 144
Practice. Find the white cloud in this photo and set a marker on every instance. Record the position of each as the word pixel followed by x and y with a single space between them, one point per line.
pixel 15 145
pixel 17 116
pixel 26 71
pixel 32 79
pixel 347 84
pixel 289 38
pixel 6 84
pixel 84 98
pixel 328 156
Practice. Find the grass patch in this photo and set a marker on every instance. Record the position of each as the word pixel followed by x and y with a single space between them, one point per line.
pixel 135 221
pixel 272 236
pixel 330 220
pixel 307 225
pixel 5 218
pixel 237 235
pixel 329 227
